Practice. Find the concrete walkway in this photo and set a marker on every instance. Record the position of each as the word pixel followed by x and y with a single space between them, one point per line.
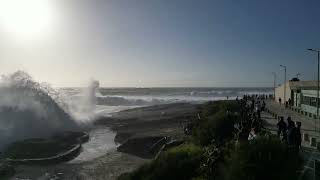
pixel 308 153
pixel 307 123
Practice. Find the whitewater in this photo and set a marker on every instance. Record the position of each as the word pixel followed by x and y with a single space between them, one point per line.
pixel 29 109
pixel 109 100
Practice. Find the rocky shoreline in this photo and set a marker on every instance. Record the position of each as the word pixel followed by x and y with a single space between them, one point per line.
pixel 139 129
pixel 146 125
pixel 27 151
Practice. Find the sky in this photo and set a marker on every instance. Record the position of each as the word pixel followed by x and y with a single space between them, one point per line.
pixel 160 43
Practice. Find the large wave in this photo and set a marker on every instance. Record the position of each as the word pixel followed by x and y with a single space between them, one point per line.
pixel 125 101
pixel 154 96
pixel 82 106
pixel 29 109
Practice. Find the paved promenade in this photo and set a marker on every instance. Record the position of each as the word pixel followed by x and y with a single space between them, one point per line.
pixel 308 153
pixel 271 124
pixel 307 123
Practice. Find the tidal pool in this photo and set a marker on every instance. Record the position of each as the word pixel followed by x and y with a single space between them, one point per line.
pixel 101 141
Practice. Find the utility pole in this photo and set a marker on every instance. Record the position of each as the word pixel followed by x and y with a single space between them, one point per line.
pixel 274 84
pixel 315 121
pixel 285 83
pixel 318 51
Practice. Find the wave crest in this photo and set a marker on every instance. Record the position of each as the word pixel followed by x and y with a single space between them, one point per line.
pixel 28 110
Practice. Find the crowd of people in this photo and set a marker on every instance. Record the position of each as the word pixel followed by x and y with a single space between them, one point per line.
pixel 290 132
pixel 288 103
pixel 251 123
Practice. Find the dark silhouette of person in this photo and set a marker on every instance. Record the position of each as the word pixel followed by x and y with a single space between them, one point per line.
pixel 298 138
pixel 291 133
pixel 282 127
pixel 279 100
pixel 263 106
pixel 290 122
pixel 290 102
pixel 252 105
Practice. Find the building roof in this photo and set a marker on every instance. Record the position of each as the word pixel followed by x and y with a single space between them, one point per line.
pixel 303 84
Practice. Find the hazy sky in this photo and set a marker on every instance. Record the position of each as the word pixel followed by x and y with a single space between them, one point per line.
pixel 160 42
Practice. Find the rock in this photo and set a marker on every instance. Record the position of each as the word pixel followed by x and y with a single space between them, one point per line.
pixel 122 137
pixel 6 170
pixel 143 147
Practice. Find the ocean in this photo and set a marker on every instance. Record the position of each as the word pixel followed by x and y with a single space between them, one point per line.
pixel 29 109
pixel 110 100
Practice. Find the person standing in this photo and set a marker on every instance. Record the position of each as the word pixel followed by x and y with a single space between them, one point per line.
pixel 282 129
pixel 252 105
pixel 280 100
pixel 290 122
pixel 252 134
pixel 291 133
pixel 289 102
pixel 258 110
pixel 298 138
pixel 263 105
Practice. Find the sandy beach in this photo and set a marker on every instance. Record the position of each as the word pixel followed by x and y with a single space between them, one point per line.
pixel 153 121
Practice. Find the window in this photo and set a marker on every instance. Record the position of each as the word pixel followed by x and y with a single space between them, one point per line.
pixel 311 101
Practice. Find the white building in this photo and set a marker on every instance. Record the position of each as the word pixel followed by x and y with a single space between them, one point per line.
pixel 303 95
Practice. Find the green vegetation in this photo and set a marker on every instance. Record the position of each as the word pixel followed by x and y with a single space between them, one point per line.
pixel 264 159
pixel 177 163
pixel 216 123
pixel 214 152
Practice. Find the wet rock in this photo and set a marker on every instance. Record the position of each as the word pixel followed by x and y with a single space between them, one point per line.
pixel 144 147
pixel 6 170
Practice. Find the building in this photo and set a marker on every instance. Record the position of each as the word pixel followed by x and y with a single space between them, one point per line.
pixel 302 94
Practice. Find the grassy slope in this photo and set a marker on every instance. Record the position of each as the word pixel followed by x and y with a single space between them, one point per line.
pixel 212 153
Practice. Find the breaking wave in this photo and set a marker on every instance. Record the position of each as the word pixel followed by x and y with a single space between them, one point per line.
pixel 154 96
pixel 29 109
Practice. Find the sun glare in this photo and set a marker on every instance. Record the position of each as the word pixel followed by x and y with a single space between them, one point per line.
pixel 26 18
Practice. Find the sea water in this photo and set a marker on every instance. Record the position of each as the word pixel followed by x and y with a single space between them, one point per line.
pixel 110 100
pixel 29 109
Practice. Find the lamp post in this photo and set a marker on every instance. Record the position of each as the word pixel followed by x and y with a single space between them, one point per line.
pixel 318 51
pixel 274 84
pixel 285 83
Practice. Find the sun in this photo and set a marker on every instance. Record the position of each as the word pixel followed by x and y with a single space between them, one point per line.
pixel 26 18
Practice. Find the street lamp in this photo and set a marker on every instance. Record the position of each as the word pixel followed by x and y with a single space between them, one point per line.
pixel 274 84
pixel 285 84
pixel 318 51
